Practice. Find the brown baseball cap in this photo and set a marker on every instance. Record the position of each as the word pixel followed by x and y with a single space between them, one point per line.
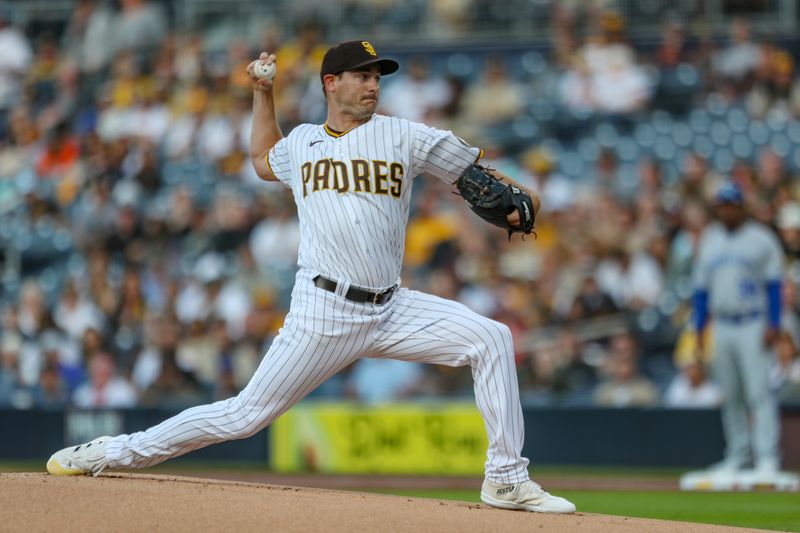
pixel 351 55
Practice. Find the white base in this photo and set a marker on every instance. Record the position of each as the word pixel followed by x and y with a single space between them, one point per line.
pixel 740 480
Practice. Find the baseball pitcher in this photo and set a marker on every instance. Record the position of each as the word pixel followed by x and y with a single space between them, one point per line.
pixel 351 178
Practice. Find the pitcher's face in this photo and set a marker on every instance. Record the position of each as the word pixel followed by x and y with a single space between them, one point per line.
pixel 356 92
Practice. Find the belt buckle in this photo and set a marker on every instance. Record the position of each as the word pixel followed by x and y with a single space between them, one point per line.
pixel 380 295
pixel 383 293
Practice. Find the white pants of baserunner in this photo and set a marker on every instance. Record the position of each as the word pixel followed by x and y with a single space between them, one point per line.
pixel 741 367
pixel 323 333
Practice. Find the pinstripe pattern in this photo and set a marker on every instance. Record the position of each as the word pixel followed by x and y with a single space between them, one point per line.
pixel 325 333
pixel 358 238
pixel 429 329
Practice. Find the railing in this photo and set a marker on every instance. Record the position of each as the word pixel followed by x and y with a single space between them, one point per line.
pixel 399 22
pixel 578 436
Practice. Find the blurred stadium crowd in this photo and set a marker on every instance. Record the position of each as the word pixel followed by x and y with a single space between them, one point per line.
pixel 144 264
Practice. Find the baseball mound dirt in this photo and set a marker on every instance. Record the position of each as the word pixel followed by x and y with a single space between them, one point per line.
pixel 141 502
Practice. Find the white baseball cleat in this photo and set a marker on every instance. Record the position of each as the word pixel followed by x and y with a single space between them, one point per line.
pixel 526 496
pixel 86 459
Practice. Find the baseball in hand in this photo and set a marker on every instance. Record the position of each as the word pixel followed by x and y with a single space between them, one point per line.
pixel 264 71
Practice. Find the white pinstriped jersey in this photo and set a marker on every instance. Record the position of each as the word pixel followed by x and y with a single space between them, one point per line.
pixel 353 191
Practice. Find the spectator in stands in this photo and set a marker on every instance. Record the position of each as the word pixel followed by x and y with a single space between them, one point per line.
pixel 429 229
pixel 538 373
pixel 591 301
pixel 50 392
pixel 150 120
pixel 771 174
pixel 621 87
pixel 788 222
pixel 92 343
pixel 275 239
pixel 604 178
pixel 14 61
pixel 617 86
pixel 573 375
pixel 632 277
pixel 683 247
pixel 10 379
pixel 64 355
pixel 674 48
pixel 678 78
pixel 415 93
pixel 300 58
pixel 174 388
pixel 104 388
pixel 15 157
pixel 624 385
pixel 691 388
pixel 451 16
pixel 375 381
pixel 32 309
pixel 556 191
pixel 41 78
pixel 495 99
pixel 737 62
pixel 88 34
pixel 139 26
pixel 575 87
pixel 74 313
pixel 698 180
pixel 774 87
pixel 785 373
pixel 199 353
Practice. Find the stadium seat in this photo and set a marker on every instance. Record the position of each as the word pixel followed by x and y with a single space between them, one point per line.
pixel 758 132
pixel 588 149
pixel 628 150
pixel 700 120
pixel 664 149
pixel 723 160
pixel 720 133
pixel 737 120
pixel 644 135
pixel 779 142
pixel 682 134
pixel 606 135
pixel 461 66
pixel 742 146
pixel 571 165
pixel 533 63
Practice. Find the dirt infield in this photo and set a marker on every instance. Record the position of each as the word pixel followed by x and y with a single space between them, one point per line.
pixel 140 502
pixel 551 483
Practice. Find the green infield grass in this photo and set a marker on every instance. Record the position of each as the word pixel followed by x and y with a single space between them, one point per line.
pixel 766 510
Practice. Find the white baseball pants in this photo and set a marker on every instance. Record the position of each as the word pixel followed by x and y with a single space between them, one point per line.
pixel 323 333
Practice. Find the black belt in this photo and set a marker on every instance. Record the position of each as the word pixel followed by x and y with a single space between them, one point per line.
pixel 357 295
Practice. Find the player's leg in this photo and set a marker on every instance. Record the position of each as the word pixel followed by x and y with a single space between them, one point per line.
pixel 429 329
pixel 319 338
pixel 292 368
pixel 424 328
pixel 726 372
pixel 755 361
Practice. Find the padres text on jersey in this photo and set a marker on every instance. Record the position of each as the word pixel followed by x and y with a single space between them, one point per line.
pixel 353 191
